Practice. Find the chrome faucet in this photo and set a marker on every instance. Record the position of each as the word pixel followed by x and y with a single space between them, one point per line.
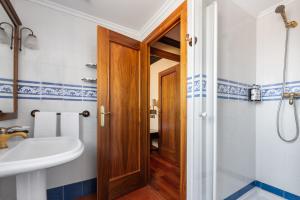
pixel 7 133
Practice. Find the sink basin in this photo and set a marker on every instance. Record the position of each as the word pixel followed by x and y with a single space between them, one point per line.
pixel 39 153
pixel 29 159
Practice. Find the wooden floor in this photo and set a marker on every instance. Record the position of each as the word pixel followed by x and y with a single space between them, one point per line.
pixel 165 177
pixel 90 197
pixel 145 193
pixel 164 185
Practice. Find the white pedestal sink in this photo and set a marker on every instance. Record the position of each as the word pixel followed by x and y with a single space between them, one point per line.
pixel 28 160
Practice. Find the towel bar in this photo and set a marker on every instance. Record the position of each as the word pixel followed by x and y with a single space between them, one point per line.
pixel 84 113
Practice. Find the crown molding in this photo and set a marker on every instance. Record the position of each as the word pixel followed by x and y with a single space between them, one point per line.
pixel 76 13
pixel 159 16
pixel 166 9
pixel 272 8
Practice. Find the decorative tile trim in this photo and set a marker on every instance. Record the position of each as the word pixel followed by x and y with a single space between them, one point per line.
pixel 227 89
pixel 272 92
pixel 263 186
pixel 73 191
pixel 35 90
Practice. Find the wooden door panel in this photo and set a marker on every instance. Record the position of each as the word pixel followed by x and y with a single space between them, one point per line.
pixel 121 144
pixel 125 133
pixel 169 110
pixel 168 118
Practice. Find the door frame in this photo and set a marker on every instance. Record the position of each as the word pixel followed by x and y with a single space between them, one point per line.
pixel 178 16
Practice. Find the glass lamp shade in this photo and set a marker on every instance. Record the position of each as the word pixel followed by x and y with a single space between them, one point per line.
pixel 30 42
pixel 4 38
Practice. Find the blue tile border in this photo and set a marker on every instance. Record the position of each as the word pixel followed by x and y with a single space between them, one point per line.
pixel 73 191
pixel 227 89
pixel 233 90
pixel 35 90
pixel 196 87
pixel 272 92
pixel 263 186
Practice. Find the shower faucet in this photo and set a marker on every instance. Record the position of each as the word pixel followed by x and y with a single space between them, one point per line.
pixel 291 96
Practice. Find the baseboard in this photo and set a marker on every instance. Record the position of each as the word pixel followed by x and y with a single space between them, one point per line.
pixel 263 186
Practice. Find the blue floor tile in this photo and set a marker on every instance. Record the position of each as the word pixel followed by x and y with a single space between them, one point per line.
pixel 90 186
pixel 73 191
pixel 55 193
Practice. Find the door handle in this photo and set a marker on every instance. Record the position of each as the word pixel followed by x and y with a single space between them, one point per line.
pixel 203 115
pixel 102 116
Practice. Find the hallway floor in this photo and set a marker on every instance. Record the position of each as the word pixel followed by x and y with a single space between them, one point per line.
pixel 165 177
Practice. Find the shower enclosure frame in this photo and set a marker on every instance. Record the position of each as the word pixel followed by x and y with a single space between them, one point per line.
pixel 202 102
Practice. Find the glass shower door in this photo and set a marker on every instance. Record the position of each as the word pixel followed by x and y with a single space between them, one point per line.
pixel 202 88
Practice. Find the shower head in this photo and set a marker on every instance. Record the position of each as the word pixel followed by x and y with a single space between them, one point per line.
pixel 281 10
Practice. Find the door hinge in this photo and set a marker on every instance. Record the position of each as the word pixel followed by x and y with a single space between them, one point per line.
pixel 191 40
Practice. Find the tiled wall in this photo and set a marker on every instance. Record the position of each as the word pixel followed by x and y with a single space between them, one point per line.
pixel 35 90
pixel 277 162
pixel 50 80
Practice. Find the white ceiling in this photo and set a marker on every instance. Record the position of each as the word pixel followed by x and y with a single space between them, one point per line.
pixel 137 18
pixel 257 7
pixel 133 14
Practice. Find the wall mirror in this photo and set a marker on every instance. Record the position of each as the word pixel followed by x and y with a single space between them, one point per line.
pixel 9 50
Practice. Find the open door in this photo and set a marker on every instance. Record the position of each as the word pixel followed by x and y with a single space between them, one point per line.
pixel 122 144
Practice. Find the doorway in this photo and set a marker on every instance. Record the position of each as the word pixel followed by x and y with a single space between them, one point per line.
pixel 164 114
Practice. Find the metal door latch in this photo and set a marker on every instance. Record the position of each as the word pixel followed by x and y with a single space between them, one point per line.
pixel 102 116
pixel 190 39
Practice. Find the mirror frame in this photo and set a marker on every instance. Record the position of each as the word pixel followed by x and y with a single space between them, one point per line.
pixel 8 7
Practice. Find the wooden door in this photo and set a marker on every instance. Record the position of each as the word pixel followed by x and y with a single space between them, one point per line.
pixel 121 142
pixel 169 132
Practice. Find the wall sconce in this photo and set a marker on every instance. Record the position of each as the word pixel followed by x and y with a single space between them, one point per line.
pixel 153 112
pixel 30 41
pixel 4 38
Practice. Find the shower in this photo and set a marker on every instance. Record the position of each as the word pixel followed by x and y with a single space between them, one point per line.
pixel 287 94
pixel 281 10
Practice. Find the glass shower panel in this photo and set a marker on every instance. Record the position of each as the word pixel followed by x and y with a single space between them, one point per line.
pixel 235 161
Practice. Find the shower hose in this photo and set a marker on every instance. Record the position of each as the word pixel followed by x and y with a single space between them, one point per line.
pixel 282 97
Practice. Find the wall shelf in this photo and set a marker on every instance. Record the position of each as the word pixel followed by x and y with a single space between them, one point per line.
pixel 89 80
pixel 91 65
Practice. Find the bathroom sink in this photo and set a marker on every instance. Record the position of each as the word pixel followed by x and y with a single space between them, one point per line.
pixel 38 153
pixel 28 159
